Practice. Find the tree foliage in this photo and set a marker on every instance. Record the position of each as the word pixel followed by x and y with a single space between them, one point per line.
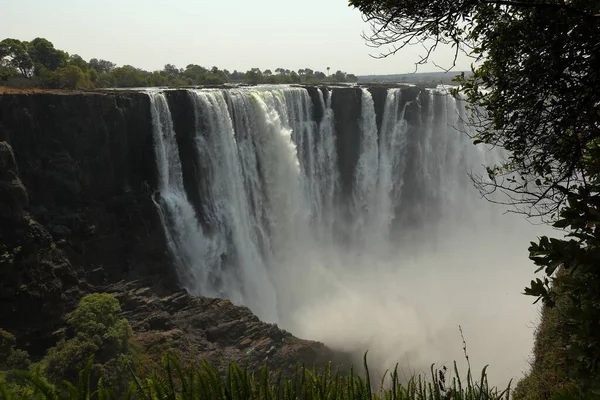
pixel 39 62
pixel 99 331
pixel 534 92
pixel 16 57
pixel 10 356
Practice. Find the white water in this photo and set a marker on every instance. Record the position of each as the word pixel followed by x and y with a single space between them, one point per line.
pixel 425 253
pixel 191 250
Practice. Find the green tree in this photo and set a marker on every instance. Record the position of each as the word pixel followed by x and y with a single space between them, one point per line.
pixel 237 76
pixel 254 76
pixel 339 76
pixel 7 344
pixel 11 357
pixel 102 66
pixel 533 93
pixel 106 80
pixel 158 79
pixel 100 331
pixel 170 69
pixel 15 54
pixel 77 61
pixel 196 73
pixel 7 70
pixel 129 76
pixel 293 77
pixel 71 77
pixel 45 56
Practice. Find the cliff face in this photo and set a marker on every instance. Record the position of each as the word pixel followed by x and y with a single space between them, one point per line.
pixel 37 280
pixel 77 171
pixel 346 104
pixel 88 164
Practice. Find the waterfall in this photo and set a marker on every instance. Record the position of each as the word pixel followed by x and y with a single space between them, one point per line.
pixel 366 179
pixel 326 173
pixel 189 247
pixel 394 267
pixel 245 274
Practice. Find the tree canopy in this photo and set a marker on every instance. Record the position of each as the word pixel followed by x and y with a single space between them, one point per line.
pixel 534 92
pixel 39 64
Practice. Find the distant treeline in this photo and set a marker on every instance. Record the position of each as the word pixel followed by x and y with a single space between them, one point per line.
pixel 433 78
pixel 38 64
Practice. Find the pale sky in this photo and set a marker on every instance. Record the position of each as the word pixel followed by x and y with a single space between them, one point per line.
pixel 229 34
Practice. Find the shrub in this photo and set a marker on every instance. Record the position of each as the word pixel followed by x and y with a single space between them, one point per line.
pixel 99 331
pixel 7 343
pixel 18 360
pixel 98 317
pixel 10 357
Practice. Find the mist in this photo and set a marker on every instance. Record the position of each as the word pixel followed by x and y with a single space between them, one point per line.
pixel 407 307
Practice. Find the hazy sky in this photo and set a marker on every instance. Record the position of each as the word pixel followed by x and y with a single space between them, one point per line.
pixel 231 34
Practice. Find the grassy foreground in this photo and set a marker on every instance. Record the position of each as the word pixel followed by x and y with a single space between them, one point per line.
pixel 172 382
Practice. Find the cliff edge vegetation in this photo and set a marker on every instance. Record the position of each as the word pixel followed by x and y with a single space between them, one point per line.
pixel 37 63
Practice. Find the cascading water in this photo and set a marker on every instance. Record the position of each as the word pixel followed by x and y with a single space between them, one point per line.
pixel 227 204
pixel 422 248
pixel 365 185
pixel 188 245
pixel 326 173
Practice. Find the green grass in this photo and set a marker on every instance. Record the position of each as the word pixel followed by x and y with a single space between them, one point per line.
pixel 205 382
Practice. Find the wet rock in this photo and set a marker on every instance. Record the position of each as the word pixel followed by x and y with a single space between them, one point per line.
pixel 347 104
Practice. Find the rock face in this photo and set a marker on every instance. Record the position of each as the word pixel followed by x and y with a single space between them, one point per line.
pixel 87 161
pixel 196 328
pixel 37 280
pixel 346 104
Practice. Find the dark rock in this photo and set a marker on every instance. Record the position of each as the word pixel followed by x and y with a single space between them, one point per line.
pixel 13 195
pixel 60 232
pixel 37 279
pixel 96 277
pixel 347 104
pixel 317 108
pixel 215 329
pixel 88 163
pixel 379 94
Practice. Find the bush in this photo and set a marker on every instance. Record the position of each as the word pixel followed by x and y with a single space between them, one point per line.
pixel 67 358
pixel 18 360
pixel 99 331
pixel 551 367
pixel 10 357
pixel 7 343
pixel 71 77
pixel 98 316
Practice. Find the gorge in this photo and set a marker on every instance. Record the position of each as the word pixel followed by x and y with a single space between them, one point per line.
pixel 343 214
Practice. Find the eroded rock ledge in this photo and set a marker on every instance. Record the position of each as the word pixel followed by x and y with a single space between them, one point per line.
pixel 196 328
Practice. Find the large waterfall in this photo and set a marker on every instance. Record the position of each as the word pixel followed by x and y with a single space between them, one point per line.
pixel 394 265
